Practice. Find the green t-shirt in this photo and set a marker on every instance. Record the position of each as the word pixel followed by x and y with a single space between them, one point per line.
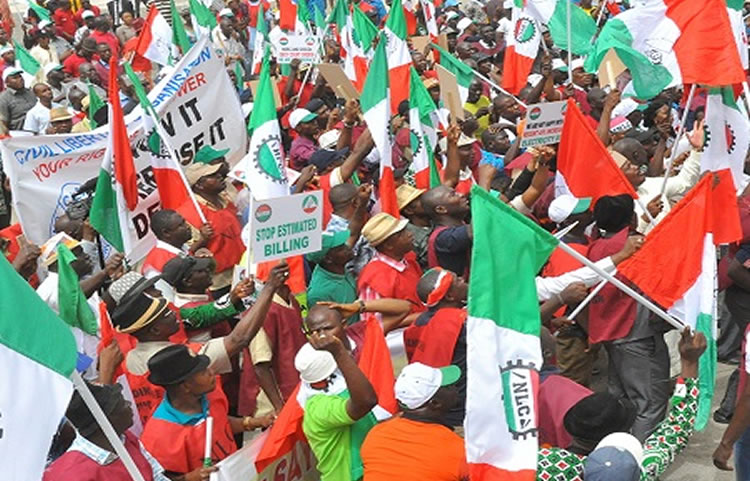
pixel 327 427
pixel 327 286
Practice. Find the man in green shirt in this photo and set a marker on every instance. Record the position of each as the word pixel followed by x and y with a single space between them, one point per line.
pixel 330 280
pixel 334 394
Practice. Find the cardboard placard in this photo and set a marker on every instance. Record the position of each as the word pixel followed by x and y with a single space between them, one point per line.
pixel 338 81
pixel 420 43
pixel 449 92
pixel 610 68
pixel 275 88
pixel 443 41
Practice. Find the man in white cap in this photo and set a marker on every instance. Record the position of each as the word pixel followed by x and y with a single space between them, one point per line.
pixel 327 370
pixel 15 101
pixel 225 38
pixel 43 52
pixel 304 146
pixel 417 445
pixel 88 25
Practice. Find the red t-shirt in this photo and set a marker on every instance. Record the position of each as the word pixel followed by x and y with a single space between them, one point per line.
pixel 72 62
pixel 65 21
pixel 388 282
pixel 108 38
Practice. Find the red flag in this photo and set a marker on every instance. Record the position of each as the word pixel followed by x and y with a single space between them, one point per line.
pixel 726 213
pixel 287 14
pixel 584 166
pixel 122 156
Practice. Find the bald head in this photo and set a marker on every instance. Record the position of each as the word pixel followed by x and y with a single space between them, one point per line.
pixel 341 195
pixel 632 150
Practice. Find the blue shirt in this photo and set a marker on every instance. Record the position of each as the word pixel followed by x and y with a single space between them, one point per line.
pixel 167 412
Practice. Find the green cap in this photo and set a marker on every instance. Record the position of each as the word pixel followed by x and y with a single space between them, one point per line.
pixel 330 240
pixel 208 154
pixel 451 374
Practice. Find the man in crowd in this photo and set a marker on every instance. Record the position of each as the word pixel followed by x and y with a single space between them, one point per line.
pixel 37 118
pixel 15 101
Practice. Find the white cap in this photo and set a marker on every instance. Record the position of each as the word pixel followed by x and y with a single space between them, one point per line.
pixel 226 12
pixel 624 442
pixel 626 107
pixel 6 49
pixel 299 116
pixel 534 79
pixel 418 382
pixel 565 205
pixel 88 14
pixel 314 365
pixel 558 64
pixel 463 24
pixel 43 24
pixel 50 67
pixel 11 71
pixel 328 140
pixel 577 63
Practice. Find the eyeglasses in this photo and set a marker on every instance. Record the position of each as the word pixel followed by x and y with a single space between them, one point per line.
pixel 642 169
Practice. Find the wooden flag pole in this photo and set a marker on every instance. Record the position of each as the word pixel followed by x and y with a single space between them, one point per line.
pixel 107 429
pixel 680 129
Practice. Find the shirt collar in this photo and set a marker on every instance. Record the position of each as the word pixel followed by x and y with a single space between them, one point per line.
pixel 101 456
pixel 167 412
pixel 169 248
pixel 400 266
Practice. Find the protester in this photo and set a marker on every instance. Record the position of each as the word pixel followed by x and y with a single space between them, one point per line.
pixel 37 118
pixel 15 101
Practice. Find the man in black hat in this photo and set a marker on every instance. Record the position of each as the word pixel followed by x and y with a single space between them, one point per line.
pixel 152 323
pixel 91 455
pixel 191 397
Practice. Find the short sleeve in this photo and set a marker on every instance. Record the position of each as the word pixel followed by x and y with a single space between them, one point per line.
pixel 260 348
pixel 217 352
pixel 743 255
pixel 326 412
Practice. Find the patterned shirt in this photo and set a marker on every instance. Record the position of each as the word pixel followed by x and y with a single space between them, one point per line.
pixel 659 450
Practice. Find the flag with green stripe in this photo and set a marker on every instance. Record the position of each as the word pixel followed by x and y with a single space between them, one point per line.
pixel 423 134
pixel 36 360
pixel 463 73
pixel 28 63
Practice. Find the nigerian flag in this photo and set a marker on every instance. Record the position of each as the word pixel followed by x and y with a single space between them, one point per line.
pixel 423 134
pixel 265 159
pixel 463 73
pixel 28 63
pixel 95 103
pixel 502 336
pixel 203 19
pixel 727 134
pixel 179 35
pixel 36 361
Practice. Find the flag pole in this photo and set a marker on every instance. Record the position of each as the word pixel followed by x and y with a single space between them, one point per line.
pixel 746 90
pixel 586 301
pixel 304 81
pixel 680 128
pixel 107 429
pixel 622 286
pixel 570 52
pixel 498 88
pixel 603 5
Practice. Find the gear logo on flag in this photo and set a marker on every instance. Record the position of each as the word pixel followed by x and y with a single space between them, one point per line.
pixel 525 30
pixel 267 159
pixel 416 142
pixel 520 383
pixel 730 137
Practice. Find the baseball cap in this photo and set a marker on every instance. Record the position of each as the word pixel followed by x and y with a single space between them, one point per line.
pixel 313 365
pixel 330 240
pixel 322 158
pixel 611 463
pixel 566 205
pixel 299 116
pixel 463 24
pixel 50 67
pixel 625 441
pixel 328 140
pixel 208 154
pixel 87 14
pixel 381 226
pixel 577 63
pixel 6 49
pixel 196 170
pixel 558 64
pixel 418 383
pixel 11 71
pixel 226 12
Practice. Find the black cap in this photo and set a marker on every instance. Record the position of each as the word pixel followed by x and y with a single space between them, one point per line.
pixel 107 396
pixel 137 311
pixel 599 414
pixel 178 268
pixel 314 104
pixel 323 158
pixel 614 212
pixel 174 364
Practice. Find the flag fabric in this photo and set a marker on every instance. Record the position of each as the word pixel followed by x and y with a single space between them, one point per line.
pixel 502 334
pixel 261 37
pixel 266 173
pixel 239 75
pixel 463 73
pixel 28 63
pixel 683 280
pixel 584 166
pixel 204 21
pixel 179 35
pixel 73 307
pixel 287 14
pixel 174 191
pixel 375 102
pixel 117 188
pixel 685 37
pixel 37 359
pixel 95 103
pixel 522 47
pixel 302 25
pixel 40 11
pixel 399 58
pixel 410 16
pixel 555 15
pixel 364 31
pixel 423 134
pixel 375 363
pixel 430 22
pixel 155 39
pixel 737 22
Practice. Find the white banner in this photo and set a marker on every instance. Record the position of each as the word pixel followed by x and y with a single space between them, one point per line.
pixel 544 123
pixel 297 465
pixel 295 46
pixel 197 107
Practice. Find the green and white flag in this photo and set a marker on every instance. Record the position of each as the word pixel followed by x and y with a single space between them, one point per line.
pixel 554 13
pixel 266 173
pixel 423 134
pixel 179 35
pixel 261 37
pixel 727 134
pixel 95 103
pixel 72 304
pixel 463 73
pixel 28 63
pixel 502 337
pixel 40 11
pixel 204 21
pixel 36 361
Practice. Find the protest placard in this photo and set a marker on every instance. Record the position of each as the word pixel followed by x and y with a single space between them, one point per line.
pixel 302 47
pixel 449 92
pixel 338 81
pixel 610 68
pixel 544 123
pixel 286 226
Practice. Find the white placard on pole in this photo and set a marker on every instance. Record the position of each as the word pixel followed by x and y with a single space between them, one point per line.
pixel 544 124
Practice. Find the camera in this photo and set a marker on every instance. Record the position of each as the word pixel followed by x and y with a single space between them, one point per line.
pixel 80 205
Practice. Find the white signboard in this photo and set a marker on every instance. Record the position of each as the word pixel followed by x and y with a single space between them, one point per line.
pixel 302 47
pixel 544 123
pixel 286 226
